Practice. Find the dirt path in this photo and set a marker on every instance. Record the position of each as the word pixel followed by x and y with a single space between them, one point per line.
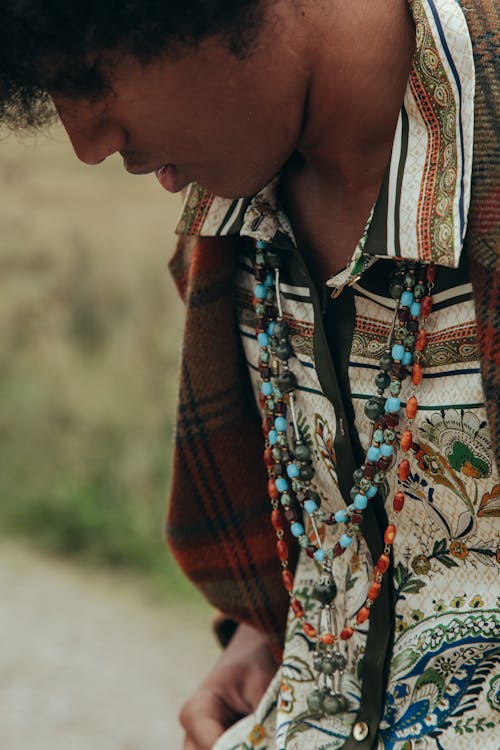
pixel 87 663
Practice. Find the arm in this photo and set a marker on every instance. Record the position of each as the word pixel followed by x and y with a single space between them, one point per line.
pixel 231 690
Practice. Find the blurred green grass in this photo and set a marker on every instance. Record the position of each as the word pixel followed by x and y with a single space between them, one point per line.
pixel 90 329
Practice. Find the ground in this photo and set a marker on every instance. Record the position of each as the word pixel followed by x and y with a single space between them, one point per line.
pixel 88 661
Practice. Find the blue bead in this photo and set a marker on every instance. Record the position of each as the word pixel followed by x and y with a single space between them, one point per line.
pixel 297 529
pixel 373 453
pixel 341 516
pixel 397 352
pixel 360 502
pixel 415 309
pixel 292 470
pixel 310 506
pixel 269 280
pixel 392 405
pixel 281 484
pixel 407 358
pixel 378 436
pixel 280 424
pixel 263 339
pixel 371 491
pixel 267 388
pixel 272 437
pixel 270 328
pixel 320 555
pixel 345 540
pixel 387 450
pixel 261 245
pixel 260 291
pixel 407 298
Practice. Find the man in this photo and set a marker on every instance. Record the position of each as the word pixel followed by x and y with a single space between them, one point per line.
pixel 349 128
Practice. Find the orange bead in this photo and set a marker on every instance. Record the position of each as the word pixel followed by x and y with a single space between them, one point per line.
pixel 404 470
pixel 277 520
pixel 416 373
pixel 309 630
pixel 297 608
pixel 346 633
pixel 406 440
pixel 272 489
pixel 390 534
pixel 426 308
pixel 398 502
pixel 411 407
pixel 421 341
pixel 282 550
pixel 327 639
pixel 383 563
pixel 268 457
pixel 363 615
pixel 287 580
pixel 374 591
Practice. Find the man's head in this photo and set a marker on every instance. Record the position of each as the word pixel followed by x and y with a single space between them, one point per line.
pixel 204 86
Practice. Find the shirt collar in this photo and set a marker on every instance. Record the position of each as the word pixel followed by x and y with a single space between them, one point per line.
pixel 421 211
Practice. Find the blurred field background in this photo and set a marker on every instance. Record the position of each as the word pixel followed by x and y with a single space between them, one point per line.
pixel 90 329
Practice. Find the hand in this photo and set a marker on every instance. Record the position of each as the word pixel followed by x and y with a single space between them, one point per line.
pixel 231 690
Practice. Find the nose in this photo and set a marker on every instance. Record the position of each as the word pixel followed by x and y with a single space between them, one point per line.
pixel 94 134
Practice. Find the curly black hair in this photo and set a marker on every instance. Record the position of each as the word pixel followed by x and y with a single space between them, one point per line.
pixel 58 46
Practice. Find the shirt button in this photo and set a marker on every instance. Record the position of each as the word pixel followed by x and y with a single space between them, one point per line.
pixel 360 731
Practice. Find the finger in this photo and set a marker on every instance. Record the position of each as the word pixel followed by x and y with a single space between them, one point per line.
pixel 204 722
pixel 189 744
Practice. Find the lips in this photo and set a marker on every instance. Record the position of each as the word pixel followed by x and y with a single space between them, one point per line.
pixel 168 178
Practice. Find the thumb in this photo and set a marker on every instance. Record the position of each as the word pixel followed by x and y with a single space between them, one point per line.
pixel 205 718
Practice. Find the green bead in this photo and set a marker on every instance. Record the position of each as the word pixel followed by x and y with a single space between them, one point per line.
pixel 382 380
pixel 418 291
pixel 379 477
pixel 409 281
pixel 281 329
pixel 395 388
pixel 306 472
pixel 260 308
pixel 315 702
pixel 264 356
pixel 374 407
pixel 396 288
pixel 409 341
pixel 276 453
pixel 386 361
pixel 353 492
pixel 357 476
pixel 389 435
pixel 364 484
pixel 318 663
pixel 400 333
pixel 331 705
pixel 328 667
pixel 284 351
pixel 302 452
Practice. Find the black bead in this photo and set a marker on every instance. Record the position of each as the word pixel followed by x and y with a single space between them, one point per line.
pixel 281 329
pixel 396 288
pixel 382 380
pixel 286 381
pixel 284 351
pixel 325 591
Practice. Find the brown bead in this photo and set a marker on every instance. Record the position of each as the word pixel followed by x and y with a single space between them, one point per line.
pixel 411 407
pixel 363 615
pixel 416 374
pixel 338 550
pixel 297 608
pixel 309 630
pixel 262 400
pixel 403 314
pixel 277 520
pixel 369 470
pixel 421 341
pixel 272 489
pixel 356 518
pixel 383 563
pixel 406 441
pixel 426 308
pixel 384 463
pixel 392 420
pixel 346 633
pixel 390 534
pixel 265 427
pixel 268 457
pixel 287 580
pixel 412 325
pixel 327 639
pixel 374 591
pixel 398 501
pixel 280 408
pixel 291 515
pixel 282 550
pixel 404 470
pixel 430 273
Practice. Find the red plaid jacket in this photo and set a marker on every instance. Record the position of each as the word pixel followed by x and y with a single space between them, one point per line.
pixel 218 518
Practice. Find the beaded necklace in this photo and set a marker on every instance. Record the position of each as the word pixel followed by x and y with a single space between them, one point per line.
pixel 288 458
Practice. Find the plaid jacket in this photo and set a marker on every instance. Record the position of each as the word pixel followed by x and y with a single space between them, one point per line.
pixel 218 518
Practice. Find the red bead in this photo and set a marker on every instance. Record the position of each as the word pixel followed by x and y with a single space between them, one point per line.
pixel 390 534
pixel 411 407
pixel 369 470
pixel 406 440
pixel 403 314
pixel 363 615
pixel 309 630
pixel 374 591
pixel 268 457
pixel 421 341
pixel 383 563
pixel 398 502
pixel 416 374
pixel 346 633
pixel 404 470
pixel 287 580
pixel 384 463
pixel 272 489
pixel 426 308
pixel 282 550
pixel 265 427
pixel 356 518
pixel 430 273
pixel 392 420
pixel 327 639
pixel 297 608
pixel 280 408
pixel 277 520
pixel 338 550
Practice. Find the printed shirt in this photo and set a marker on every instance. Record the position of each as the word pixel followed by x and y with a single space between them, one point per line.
pixel 443 689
